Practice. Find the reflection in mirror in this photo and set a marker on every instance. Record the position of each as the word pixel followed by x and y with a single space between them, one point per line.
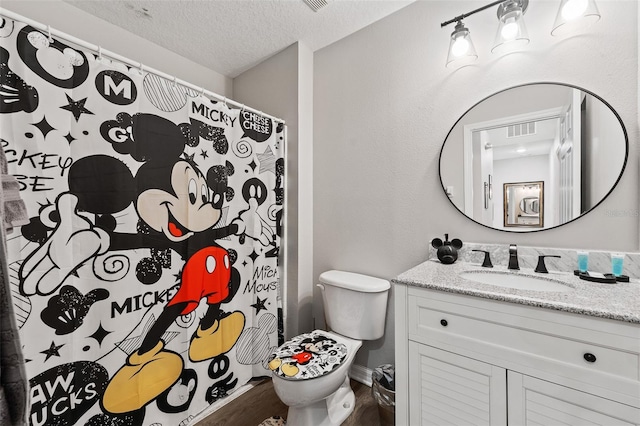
pixel 565 138
pixel 524 204
pixel 530 205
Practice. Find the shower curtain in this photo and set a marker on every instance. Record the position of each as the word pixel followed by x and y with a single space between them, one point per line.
pixel 146 282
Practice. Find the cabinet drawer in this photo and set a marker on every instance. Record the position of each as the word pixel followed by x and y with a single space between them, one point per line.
pixel 500 336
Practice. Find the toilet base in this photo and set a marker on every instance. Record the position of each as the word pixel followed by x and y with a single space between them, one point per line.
pixel 331 411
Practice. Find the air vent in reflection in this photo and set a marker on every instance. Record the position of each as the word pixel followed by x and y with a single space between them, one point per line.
pixel 521 129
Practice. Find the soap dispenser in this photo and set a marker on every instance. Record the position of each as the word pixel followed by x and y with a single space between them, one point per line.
pixel 447 250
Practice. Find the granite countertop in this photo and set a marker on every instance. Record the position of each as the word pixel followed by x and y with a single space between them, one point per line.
pixel 619 301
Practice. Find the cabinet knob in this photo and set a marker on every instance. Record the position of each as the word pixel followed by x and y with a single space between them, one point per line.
pixel 443 322
pixel 589 357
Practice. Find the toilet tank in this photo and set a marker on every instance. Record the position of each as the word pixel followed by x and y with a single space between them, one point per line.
pixel 355 305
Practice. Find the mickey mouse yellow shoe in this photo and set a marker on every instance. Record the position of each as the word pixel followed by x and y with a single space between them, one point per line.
pixel 142 379
pixel 217 339
pixel 275 363
pixel 289 370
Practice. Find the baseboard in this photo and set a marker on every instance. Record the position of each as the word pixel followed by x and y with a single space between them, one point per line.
pixel 361 374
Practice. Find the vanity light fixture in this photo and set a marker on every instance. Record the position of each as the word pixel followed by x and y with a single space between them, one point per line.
pixel 574 15
pixel 512 31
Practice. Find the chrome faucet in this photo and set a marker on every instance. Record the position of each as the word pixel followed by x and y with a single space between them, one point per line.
pixel 513 257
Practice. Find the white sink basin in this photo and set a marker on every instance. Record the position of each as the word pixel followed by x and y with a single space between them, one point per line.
pixel 515 280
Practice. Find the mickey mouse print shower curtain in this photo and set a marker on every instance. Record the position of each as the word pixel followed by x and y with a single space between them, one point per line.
pixel 146 282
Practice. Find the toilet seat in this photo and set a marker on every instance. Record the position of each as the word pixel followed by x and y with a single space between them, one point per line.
pixel 308 356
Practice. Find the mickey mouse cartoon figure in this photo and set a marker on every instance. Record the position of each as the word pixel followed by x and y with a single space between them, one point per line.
pixel 178 207
pixel 302 351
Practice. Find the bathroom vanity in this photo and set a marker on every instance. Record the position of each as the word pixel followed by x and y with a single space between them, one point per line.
pixel 473 353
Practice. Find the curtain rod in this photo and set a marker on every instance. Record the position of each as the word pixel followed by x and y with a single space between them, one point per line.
pixel 104 52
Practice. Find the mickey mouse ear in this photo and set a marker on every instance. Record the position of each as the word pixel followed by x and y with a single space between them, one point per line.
pixel 456 243
pixel 436 243
pixel 38 40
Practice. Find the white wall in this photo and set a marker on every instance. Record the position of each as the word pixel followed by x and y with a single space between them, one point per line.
pixel 601 128
pixel 384 103
pixel 78 23
pixel 282 86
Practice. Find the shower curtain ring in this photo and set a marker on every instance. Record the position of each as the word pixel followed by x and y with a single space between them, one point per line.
pixel 141 69
pixel 100 53
pixel 202 91
pixel 224 101
pixel 49 34
pixel 175 81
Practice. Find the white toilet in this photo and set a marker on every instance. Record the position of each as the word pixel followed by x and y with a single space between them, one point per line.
pixel 310 371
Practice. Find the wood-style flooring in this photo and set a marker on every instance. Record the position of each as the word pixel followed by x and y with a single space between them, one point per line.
pixel 261 402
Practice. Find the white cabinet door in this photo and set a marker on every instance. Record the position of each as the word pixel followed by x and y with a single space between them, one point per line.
pixel 535 402
pixel 449 389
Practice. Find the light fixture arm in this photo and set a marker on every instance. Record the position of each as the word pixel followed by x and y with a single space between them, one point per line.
pixel 521 3
pixel 464 15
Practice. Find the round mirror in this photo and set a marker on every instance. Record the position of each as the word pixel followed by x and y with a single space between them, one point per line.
pixel 533 157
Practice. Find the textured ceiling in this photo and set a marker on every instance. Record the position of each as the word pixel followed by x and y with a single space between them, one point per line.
pixel 231 36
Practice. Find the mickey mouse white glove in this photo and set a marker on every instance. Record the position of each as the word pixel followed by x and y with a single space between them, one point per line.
pixel 74 241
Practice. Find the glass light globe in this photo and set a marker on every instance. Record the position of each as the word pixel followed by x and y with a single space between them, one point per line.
pixel 512 31
pixel 574 8
pixel 461 49
pixel 574 16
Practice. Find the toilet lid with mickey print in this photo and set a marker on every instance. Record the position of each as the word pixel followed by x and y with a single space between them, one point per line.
pixel 307 356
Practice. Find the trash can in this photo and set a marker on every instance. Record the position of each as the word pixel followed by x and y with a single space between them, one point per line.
pixel 383 388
